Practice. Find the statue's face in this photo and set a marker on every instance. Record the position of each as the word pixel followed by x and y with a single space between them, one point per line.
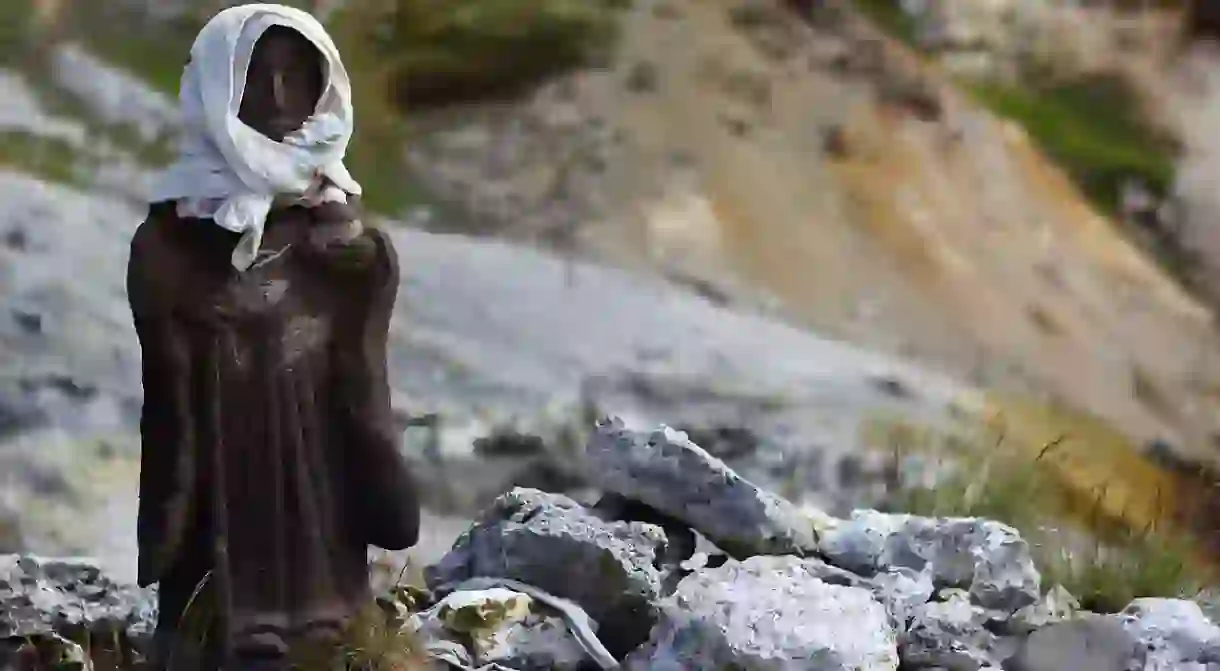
pixel 283 83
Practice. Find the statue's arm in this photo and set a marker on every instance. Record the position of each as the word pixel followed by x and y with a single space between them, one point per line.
pixel 383 480
pixel 166 464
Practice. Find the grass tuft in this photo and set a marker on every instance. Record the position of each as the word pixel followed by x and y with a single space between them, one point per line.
pixel 1104 563
pixel 378 638
pixel 376 641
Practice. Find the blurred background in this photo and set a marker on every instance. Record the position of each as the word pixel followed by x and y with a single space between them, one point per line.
pixel 823 236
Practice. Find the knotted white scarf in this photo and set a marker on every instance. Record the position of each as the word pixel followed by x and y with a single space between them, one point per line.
pixel 231 173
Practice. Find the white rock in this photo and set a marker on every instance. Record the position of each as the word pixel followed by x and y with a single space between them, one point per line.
pixel 1088 642
pixel 1173 632
pixel 1056 605
pixel 116 97
pixel 485 627
pixel 23 111
pixel 667 471
pixel 987 558
pixel 951 635
pixel 768 614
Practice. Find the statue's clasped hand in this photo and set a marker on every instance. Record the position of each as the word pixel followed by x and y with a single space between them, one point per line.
pixel 335 220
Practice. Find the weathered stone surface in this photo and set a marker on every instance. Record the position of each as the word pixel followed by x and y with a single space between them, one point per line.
pixel 499 626
pixel 987 558
pixel 40 597
pixel 1087 643
pixel 951 635
pixel 48 607
pixel 900 590
pixel 667 471
pixel 1172 633
pixel 768 614
pixel 557 545
pixel 1056 605
pixel 682 541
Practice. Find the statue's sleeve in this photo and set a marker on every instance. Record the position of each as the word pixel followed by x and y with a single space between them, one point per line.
pixel 387 500
pixel 166 450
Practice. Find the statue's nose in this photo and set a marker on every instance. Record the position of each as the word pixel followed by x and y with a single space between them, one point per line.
pixel 277 89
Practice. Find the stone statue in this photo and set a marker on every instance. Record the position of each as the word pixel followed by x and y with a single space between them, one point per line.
pixel 270 456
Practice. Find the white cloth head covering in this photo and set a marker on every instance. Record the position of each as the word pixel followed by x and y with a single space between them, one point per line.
pixel 231 173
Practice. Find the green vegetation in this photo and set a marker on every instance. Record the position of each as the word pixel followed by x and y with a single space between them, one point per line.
pixel 58 160
pixel 155 153
pixel 154 52
pixel 14 31
pixel 1105 565
pixel 377 154
pixel 1092 126
pixel 440 52
pixel 888 15
pixel 52 159
pixel 412 54
pixel 377 642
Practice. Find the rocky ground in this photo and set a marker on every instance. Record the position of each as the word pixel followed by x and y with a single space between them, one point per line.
pixel 683 565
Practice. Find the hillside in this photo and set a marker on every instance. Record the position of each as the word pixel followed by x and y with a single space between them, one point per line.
pixel 819 172
pixel 857 186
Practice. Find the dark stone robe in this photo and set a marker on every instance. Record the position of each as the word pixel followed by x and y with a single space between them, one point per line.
pixel 1203 20
pixel 269 456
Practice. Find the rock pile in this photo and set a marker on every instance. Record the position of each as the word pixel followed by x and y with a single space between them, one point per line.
pixel 769 586
pixel 686 566
pixel 49 608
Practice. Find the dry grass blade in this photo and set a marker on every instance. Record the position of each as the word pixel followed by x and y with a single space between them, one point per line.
pixel 1104 566
pixel 376 642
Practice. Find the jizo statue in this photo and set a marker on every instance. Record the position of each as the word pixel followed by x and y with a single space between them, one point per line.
pixel 270 456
